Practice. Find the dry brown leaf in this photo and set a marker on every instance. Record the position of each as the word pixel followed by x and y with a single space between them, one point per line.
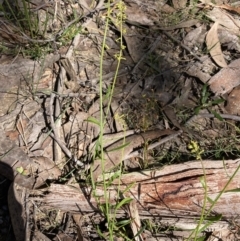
pixel 230 8
pixel 63 237
pixel 233 102
pixel 136 16
pixel 224 19
pixel 167 9
pixel 206 2
pixel 179 4
pixel 214 46
pixel 37 236
pixel 226 79
pixel 201 70
pixel 78 219
pixel 210 2
pixel 171 115
pixel 134 44
pixel 47 169
pixel 195 37
pixel 35 126
pixel 229 39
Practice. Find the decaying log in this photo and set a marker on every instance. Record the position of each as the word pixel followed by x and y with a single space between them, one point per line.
pixel 173 193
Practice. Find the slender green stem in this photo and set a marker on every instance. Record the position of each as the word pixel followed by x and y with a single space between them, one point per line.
pixel 222 191
pixel 204 183
pixel 120 18
pixel 102 117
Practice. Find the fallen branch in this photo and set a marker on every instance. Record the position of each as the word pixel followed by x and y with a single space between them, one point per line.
pixel 174 193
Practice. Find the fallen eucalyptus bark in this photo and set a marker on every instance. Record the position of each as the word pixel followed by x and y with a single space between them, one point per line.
pixel 174 194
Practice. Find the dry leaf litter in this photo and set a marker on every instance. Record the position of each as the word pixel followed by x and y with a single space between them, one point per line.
pixel 46 135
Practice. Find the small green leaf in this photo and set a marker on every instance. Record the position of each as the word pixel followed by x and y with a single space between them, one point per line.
pixel 205 226
pixel 123 202
pixel 205 98
pixel 93 120
pixel 210 222
pixel 113 177
pixel 234 190
pixel 20 170
pixel 218 101
pixel 217 115
pixel 202 238
pixel 197 110
pixel 215 218
pixel 140 231
pixel 123 222
pixel 210 200
pixel 204 90
pixel 205 95
pixel 128 187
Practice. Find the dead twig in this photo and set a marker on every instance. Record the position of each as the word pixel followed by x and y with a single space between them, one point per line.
pixel 62 145
pixel 224 116
pixel 57 115
pixel 156 144
pixel 55 135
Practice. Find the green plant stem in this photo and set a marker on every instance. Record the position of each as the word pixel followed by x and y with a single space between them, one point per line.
pixel 202 217
pixel 102 119
pixel 223 190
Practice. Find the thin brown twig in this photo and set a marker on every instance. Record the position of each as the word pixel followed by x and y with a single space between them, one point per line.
pixel 52 97
pixel 62 145
pixel 156 144
pixel 57 115
pixel 224 116
pixel 55 135
pixel 41 6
